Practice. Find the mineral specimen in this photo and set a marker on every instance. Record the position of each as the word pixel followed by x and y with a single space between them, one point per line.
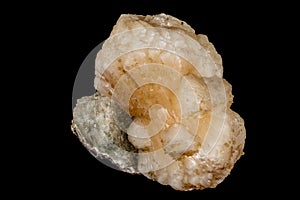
pixel 162 107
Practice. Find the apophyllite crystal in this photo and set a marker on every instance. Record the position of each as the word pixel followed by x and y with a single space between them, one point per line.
pixel 161 107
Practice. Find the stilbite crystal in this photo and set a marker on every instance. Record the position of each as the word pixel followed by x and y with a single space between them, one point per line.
pixel 162 107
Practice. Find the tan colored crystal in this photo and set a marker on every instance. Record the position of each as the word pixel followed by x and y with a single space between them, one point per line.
pixel 170 81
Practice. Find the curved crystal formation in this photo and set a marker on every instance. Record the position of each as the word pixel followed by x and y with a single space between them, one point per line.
pixel 162 96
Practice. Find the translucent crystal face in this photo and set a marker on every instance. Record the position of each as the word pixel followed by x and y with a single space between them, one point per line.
pixel 161 106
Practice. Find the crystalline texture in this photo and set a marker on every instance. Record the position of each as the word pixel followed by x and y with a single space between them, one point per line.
pixel 173 121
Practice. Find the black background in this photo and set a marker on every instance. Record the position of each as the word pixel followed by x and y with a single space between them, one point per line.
pixel 58 38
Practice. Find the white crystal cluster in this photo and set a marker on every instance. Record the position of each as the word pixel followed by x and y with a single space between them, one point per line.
pixel 177 127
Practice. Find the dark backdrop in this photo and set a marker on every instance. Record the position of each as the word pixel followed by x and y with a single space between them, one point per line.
pixel 58 37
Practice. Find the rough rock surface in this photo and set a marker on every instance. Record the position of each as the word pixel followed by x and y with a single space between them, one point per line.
pixel 176 125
